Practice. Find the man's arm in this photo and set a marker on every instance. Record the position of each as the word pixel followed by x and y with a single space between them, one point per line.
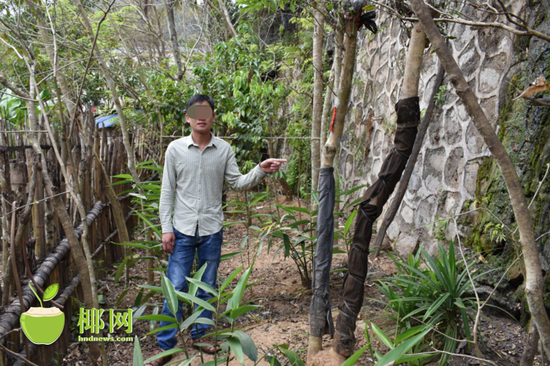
pixel 166 204
pixel 240 182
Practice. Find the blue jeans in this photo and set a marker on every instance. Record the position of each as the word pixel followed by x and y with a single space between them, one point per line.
pixel 179 267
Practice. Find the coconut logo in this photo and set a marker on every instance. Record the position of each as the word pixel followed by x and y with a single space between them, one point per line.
pixel 43 325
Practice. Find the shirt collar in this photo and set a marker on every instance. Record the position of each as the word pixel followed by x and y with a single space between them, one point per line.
pixel 188 140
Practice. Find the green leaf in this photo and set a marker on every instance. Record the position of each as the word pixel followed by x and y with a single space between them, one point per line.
pixel 188 361
pixel 409 333
pixel 138 356
pixel 190 320
pixel 190 299
pixel 160 329
pixel 349 222
pixel 235 313
pixel 51 291
pixel 206 287
pixel 272 360
pixel 353 358
pixel 459 303
pixel 249 348
pixel 139 245
pixel 152 288
pixel 122 296
pixel 217 362
pixel 226 256
pixel 169 294
pixel 149 223
pixel 238 292
pixel 159 317
pixel 235 346
pixel 292 357
pixel 382 336
pixel 399 351
pixel 192 288
pixel 231 277
pixel 436 305
pixel 163 354
pixel 244 241
pixel 120 268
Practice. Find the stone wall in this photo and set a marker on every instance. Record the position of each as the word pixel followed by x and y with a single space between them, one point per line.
pixel 446 172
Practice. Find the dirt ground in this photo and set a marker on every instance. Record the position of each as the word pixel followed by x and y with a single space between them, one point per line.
pixel 283 317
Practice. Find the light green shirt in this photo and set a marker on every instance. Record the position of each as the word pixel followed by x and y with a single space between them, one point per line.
pixel 192 185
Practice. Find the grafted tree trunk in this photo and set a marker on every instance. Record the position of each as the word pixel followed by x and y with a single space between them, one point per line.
pixel 533 272
pixel 344 92
pixel 404 182
pixel 376 196
pixel 333 82
pixel 318 35
pixel 320 314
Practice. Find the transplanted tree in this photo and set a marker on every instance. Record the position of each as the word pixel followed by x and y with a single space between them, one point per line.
pixel 533 272
pixel 352 17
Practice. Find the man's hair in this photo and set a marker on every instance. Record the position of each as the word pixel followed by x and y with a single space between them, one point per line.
pixel 199 98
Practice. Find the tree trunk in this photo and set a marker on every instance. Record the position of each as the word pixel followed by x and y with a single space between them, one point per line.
pixel 318 35
pixel 376 196
pixel 320 315
pixel 344 92
pixel 112 87
pixel 410 88
pixel 174 38
pixel 533 274
pixel 227 18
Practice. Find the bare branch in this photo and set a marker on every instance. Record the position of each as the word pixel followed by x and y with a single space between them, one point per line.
pixel 20 93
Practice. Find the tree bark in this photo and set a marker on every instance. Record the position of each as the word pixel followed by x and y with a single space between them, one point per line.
pixel 174 38
pixel 318 35
pixel 533 274
pixel 344 92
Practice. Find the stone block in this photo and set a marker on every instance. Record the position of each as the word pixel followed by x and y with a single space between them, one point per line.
pixel 453 127
pixel 454 168
pixel 474 141
pixel 470 177
pixel 407 214
pixel 406 244
pixel 432 172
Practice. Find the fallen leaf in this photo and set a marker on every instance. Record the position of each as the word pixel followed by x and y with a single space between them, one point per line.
pixel 539 85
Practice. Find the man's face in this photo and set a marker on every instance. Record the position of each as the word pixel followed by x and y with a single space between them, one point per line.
pixel 201 117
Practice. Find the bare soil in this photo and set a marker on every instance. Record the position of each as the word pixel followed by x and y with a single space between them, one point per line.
pixel 283 317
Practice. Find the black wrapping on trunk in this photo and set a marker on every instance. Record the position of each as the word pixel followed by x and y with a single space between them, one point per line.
pixel 320 316
pixel 408 118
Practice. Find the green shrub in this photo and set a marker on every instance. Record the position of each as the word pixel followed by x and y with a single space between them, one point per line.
pixel 435 295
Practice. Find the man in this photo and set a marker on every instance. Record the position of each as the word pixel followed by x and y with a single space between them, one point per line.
pixel 191 209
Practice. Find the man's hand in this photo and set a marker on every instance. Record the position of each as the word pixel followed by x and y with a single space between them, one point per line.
pixel 168 242
pixel 271 165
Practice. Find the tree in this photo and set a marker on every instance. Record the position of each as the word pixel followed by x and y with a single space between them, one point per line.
pixel 533 273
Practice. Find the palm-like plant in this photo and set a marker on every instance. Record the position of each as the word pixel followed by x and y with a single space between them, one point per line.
pixel 436 295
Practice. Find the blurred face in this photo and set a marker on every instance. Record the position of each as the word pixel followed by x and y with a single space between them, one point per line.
pixel 201 117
